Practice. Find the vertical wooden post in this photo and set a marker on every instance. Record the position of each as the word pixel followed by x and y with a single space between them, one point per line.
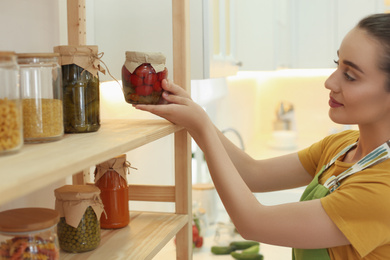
pixel 76 22
pixel 77 28
pixel 181 76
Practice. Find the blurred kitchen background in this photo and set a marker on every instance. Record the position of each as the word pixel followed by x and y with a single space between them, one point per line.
pixel 257 66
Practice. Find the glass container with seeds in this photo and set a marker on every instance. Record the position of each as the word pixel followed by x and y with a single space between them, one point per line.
pixel 11 134
pixel 40 79
pixel 80 209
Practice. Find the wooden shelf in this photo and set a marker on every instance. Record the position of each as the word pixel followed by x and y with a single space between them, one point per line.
pixel 145 236
pixel 38 165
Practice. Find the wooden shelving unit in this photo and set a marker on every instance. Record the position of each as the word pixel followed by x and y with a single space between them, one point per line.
pixel 38 165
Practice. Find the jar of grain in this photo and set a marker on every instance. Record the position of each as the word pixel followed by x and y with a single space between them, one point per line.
pixel 11 135
pixel 29 233
pixel 80 208
pixel 40 79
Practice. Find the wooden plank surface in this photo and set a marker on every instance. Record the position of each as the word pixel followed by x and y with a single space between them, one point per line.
pixel 38 165
pixel 142 239
pixel 157 193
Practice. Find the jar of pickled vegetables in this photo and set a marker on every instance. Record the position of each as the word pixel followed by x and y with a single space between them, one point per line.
pixel 80 209
pixel 110 178
pixel 40 80
pixel 142 75
pixel 80 86
pixel 29 233
pixel 11 125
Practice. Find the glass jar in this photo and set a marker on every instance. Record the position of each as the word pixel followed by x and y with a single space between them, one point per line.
pixel 40 80
pixel 142 75
pixel 11 125
pixel 80 209
pixel 80 85
pixel 110 178
pixel 29 233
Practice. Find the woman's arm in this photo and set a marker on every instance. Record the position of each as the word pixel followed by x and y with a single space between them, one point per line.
pixel 295 224
pixel 269 174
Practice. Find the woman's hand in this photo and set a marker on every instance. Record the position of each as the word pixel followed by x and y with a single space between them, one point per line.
pixel 179 109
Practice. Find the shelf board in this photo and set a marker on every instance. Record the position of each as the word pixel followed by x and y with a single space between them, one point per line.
pixel 145 236
pixel 38 165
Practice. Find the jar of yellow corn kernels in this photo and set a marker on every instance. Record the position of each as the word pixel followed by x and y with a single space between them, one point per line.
pixel 41 80
pixel 11 135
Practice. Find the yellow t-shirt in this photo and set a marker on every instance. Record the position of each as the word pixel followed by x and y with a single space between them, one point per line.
pixel 360 207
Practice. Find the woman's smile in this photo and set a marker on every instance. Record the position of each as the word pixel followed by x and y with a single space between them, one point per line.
pixel 333 103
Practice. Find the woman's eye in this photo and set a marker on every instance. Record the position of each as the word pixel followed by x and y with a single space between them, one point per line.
pixel 347 77
pixel 336 61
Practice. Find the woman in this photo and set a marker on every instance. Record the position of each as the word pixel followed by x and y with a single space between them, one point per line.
pixel 346 218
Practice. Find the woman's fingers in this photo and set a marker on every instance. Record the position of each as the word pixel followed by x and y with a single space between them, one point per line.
pixel 171 87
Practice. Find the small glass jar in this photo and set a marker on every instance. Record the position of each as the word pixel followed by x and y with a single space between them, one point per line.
pixel 80 209
pixel 110 178
pixel 80 85
pixel 40 79
pixel 11 125
pixel 29 233
pixel 142 75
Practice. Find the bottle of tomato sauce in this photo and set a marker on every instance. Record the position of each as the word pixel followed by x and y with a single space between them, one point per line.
pixel 110 178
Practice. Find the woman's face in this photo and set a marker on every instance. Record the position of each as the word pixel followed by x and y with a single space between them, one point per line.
pixel 357 87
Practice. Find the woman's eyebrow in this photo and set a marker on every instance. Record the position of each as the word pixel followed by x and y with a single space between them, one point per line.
pixel 351 64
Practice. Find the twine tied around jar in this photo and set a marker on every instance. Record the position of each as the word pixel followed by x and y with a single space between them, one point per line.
pixel 95 59
pixel 118 164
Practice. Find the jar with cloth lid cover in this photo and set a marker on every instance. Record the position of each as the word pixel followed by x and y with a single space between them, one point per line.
pixel 110 178
pixel 40 80
pixel 29 233
pixel 80 209
pixel 142 75
pixel 11 125
pixel 80 86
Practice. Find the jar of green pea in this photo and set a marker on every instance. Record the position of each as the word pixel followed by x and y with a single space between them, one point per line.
pixel 80 209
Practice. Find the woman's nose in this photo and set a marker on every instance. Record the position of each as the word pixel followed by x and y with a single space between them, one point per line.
pixel 331 82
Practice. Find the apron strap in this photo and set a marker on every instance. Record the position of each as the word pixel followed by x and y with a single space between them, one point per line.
pixel 376 156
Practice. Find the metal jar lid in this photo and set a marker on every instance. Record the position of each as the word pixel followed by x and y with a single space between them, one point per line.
pixel 25 220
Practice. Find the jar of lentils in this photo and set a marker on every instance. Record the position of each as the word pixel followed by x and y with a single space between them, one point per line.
pixel 80 209
pixel 11 134
pixel 40 79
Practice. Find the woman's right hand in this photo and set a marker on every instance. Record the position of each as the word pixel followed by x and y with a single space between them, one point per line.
pixel 180 109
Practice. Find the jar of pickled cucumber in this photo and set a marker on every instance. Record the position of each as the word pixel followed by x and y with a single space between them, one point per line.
pixel 142 75
pixel 80 86
pixel 11 125
pixel 111 179
pixel 40 80
pixel 29 233
pixel 80 209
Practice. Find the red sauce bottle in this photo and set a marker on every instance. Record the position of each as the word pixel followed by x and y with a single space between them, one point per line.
pixel 110 178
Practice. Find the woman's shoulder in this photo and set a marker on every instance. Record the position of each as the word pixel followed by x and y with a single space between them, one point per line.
pixel 341 139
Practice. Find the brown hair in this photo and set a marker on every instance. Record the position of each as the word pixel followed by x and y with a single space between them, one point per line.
pixel 378 26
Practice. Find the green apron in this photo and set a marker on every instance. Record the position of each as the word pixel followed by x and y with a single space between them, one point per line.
pixel 315 190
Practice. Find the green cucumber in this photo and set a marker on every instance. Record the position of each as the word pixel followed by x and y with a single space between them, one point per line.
pixel 221 250
pixel 241 256
pixel 241 245
pixel 251 250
